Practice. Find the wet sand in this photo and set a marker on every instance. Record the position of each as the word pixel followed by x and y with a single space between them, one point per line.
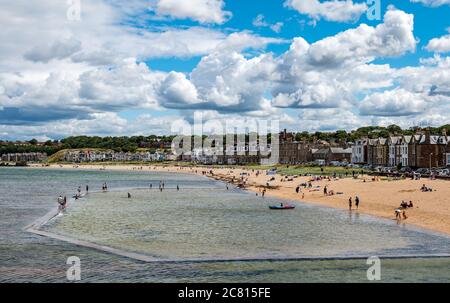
pixel 379 198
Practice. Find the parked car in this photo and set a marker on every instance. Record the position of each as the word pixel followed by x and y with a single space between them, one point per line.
pixel 337 163
pixel 442 172
pixel 406 170
pixel 423 171
pixel 351 165
pixel 388 169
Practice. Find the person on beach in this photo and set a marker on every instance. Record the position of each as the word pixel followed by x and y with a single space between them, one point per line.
pixel 178 188
pixel 129 196
pixel 410 204
pixel 87 188
pixel 325 190
pixel 403 204
pixel 60 203
pixel 350 203
pixel 398 213
pixel 404 215
pixel 297 189
pixel 357 202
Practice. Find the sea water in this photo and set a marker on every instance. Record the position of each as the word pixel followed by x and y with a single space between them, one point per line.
pixel 202 221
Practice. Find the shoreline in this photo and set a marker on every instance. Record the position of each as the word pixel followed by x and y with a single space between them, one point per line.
pixel 36 227
pixel 431 210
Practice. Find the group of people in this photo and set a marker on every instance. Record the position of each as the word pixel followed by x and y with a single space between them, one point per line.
pixel 263 192
pixel 105 187
pixel 62 201
pixel 327 192
pixel 350 202
pixel 161 185
pixel 405 204
pixel 400 212
pixel 425 189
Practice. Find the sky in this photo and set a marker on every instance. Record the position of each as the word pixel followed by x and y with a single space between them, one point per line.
pixel 113 68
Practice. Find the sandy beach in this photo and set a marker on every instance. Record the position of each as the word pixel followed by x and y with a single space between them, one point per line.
pixel 379 198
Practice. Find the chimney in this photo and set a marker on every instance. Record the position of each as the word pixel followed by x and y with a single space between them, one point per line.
pixel 427 136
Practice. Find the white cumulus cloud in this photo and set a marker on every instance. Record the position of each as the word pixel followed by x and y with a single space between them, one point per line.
pixel 439 45
pixel 398 102
pixel 204 11
pixel 331 10
pixel 433 3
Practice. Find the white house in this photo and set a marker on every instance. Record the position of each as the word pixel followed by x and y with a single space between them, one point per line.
pixel 359 151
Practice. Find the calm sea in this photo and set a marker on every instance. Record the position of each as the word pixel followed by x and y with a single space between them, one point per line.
pixel 196 228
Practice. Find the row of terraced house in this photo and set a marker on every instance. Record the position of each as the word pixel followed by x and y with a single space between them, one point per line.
pixel 26 157
pixel 292 151
pixel 415 151
pixel 253 153
pixel 79 156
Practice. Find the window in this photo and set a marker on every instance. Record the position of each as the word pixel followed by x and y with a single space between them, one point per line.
pixel 448 159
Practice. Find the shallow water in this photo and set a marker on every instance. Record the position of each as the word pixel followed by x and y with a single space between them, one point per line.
pixel 216 223
pixel 202 220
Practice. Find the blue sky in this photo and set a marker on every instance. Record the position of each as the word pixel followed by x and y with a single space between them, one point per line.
pixel 135 67
pixel 430 22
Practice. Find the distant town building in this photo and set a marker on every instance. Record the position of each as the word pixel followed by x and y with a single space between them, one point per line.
pixel 377 152
pixel 291 151
pixel 78 156
pixel 27 157
pixel 359 151
pixel 416 151
pixel 332 154
pixel 301 152
pixel 242 154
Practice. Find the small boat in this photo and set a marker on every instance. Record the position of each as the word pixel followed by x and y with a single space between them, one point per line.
pixel 288 206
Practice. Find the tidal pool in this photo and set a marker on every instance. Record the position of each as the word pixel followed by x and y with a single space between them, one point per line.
pixel 211 223
pixel 28 194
